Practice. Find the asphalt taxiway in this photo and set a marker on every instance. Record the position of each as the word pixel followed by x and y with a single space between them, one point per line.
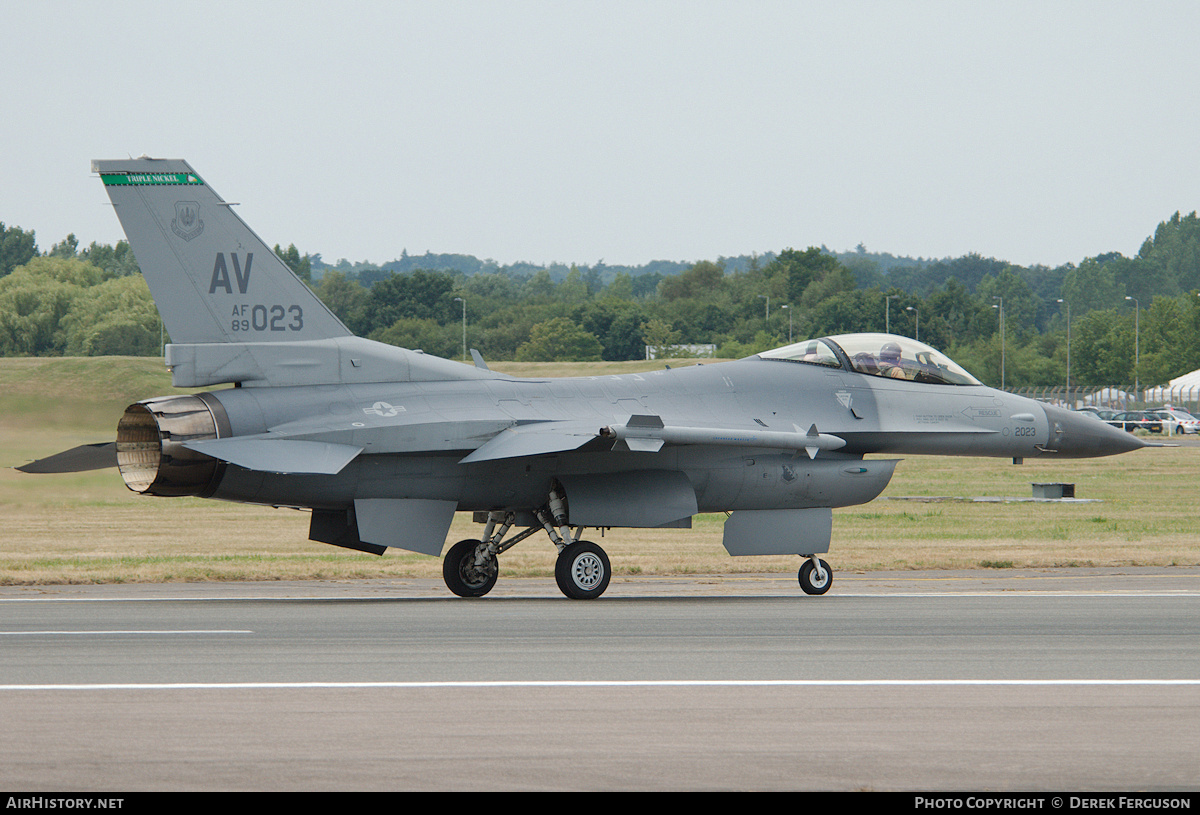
pixel 1014 679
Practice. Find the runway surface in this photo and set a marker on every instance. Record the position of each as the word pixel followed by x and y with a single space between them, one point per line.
pixel 1073 679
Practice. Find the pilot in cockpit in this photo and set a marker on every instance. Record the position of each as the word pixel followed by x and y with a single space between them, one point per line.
pixel 889 361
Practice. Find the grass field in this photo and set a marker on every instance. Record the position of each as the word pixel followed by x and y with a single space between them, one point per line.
pixel 87 527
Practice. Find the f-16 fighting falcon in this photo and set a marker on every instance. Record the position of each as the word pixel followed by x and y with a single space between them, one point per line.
pixel 384 444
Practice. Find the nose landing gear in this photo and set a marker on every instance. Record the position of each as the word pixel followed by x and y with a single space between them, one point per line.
pixel 815 576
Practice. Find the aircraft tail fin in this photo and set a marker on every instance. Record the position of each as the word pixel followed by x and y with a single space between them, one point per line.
pixel 213 279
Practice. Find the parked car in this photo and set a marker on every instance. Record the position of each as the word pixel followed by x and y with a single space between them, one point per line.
pixel 1132 420
pixel 1176 421
pixel 1100 413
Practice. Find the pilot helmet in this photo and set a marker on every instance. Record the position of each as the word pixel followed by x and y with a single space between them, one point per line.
pixel 890 351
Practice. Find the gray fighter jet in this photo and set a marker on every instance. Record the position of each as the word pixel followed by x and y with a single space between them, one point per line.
pixel 385 444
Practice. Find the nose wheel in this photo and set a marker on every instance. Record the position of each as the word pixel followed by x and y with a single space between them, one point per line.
pixel 815 576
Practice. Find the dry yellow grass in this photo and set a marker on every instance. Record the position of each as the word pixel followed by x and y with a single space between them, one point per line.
pixel 88 527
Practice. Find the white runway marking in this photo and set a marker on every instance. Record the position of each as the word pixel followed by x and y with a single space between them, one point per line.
pixel 601 683
pixel 115 632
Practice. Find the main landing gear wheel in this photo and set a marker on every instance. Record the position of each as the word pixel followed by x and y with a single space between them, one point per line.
pixel 465 574
pixel 582 571
pixel 814 581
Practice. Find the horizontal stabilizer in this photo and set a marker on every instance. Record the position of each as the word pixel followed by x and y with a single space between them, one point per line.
pixel 534 440
pixel 76 460
pixel 289 456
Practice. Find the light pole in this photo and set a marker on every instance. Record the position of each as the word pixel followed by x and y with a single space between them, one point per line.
pixel 917 315
pixel 1137 331
pixel 768 316
pixel 1003 340
pixel 887 313
pixel 464 304
pixel 789 308
pixel 1068 305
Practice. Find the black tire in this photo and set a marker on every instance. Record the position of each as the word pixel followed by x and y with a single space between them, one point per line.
pixel 582 571
pixel 462 576
pixel 809 584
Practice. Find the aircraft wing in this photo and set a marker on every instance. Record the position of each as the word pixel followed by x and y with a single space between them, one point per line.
pixel 76 460
pixel 281 451
pixel 642 434
pixel 535 439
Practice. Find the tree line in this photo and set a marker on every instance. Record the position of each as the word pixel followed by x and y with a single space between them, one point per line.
pixel 91 301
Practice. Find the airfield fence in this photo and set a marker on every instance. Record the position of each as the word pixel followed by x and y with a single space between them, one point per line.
pixel 1115 397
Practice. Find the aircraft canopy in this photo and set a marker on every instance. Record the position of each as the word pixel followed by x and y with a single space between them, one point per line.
pixel 877 355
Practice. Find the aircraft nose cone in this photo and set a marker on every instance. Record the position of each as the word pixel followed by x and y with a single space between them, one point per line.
pixel 1078 435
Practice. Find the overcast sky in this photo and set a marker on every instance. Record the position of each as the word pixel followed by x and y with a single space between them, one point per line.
pixel 1041 132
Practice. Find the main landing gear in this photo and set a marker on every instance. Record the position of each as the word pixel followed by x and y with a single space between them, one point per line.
pixel 582 571
pixel 470 569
